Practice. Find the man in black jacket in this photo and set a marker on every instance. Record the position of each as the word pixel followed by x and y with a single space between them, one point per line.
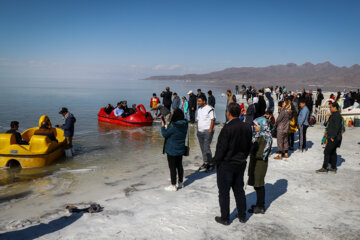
pixel 232 149
pixel 211 99
pixel 167 95
pixel 334 137
pixel 192 106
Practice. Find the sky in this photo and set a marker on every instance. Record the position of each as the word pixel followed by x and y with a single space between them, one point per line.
pixel 78 39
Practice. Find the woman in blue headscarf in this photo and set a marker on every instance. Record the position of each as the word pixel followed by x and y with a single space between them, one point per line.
pixel 262 142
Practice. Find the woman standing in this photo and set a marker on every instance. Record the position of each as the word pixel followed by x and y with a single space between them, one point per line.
pixel 282 126
pixel 185 107
pixel 259 161
pixel 174 147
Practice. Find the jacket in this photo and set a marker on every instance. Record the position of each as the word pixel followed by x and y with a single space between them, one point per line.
pixel 176 103
pixel 211 101
pixel 154 101
pixel 293 125
pixel 185 107
pixel 192 102
pixel 261 107
pixel 233 146
pixel 166 98
pixel 250 114
pixel 18 137
pixel 46 132
pixel 333 128
pixel 303 117
pixel 175 136
pixel 282 123
pixel 69 125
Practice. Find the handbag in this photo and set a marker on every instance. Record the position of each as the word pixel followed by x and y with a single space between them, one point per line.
pixel 187 147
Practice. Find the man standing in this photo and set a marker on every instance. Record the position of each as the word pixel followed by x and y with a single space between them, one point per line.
pixel 176 102
pixel 303 124
pixel 334 137
pixel 192 106
pixel 68 126
pixel 167 95
pixel 230 99
pixel 211 99
pixel 205 131
pixel 232 149
pixel 319 98
pixel 310 101
pixel 200 93
pixel 154 102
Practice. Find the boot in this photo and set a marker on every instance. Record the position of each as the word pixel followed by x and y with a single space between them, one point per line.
pixel 321 170
pixel 286 155
pixel 278 157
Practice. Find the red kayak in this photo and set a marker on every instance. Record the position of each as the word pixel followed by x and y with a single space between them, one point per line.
pixel 140 118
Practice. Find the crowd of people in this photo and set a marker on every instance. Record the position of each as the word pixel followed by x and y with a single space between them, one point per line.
pixel 250 136
pixel 248 132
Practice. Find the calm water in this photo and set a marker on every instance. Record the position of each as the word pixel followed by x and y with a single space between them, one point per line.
pixel 103 151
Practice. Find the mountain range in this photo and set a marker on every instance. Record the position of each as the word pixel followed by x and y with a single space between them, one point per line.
pixel 324 75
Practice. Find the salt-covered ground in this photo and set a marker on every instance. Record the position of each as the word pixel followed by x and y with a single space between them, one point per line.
pixel 300 203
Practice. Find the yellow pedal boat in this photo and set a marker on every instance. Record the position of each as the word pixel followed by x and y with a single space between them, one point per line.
pixel 40 152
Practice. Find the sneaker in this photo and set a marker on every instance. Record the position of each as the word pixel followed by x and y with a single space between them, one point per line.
pixel 278 157
pixel 332 170
pixel 321 170
pixel 180 185
pixel 204 166
pixel 171 188
pixel 222 221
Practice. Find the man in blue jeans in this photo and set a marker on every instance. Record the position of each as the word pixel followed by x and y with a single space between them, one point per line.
pixel 205 131
pixel 303 124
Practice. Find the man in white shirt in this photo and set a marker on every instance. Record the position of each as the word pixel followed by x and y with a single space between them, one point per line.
pixel 205 131
pixel 118 112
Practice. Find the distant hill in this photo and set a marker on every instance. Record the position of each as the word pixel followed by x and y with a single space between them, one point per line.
pixel 324 74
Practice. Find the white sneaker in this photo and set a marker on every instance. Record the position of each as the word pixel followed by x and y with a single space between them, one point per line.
pixel 180 185
pixel 171 188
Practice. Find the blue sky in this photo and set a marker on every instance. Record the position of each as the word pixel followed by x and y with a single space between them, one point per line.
pixel 134 39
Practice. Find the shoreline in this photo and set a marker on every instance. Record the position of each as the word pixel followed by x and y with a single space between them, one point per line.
pixel 139 208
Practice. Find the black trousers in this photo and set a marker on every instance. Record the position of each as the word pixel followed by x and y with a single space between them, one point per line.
pixel 291 139
pixel 330 155
pixel 234 180
pixel 192 115
pixel 175 165
pixel 168 107
pixel 260 196
pixel 302 137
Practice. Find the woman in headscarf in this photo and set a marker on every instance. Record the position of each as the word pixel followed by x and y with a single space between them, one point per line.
pixel 258 165
pixel 174 147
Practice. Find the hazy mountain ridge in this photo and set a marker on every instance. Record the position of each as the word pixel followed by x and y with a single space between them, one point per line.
pixel 322 74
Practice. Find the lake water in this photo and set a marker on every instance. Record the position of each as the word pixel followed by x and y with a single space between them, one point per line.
pixel 103 151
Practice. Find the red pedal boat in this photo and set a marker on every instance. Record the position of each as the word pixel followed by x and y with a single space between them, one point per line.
pixel 140 118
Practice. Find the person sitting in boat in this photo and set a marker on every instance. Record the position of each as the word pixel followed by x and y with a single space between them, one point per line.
pixel 14 130
pixel 134 108
pixel 44 130
pixel 119 111
pixel 108 109
pixel 127 111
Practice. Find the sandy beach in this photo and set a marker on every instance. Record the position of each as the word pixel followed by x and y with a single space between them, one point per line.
pixel 300 203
